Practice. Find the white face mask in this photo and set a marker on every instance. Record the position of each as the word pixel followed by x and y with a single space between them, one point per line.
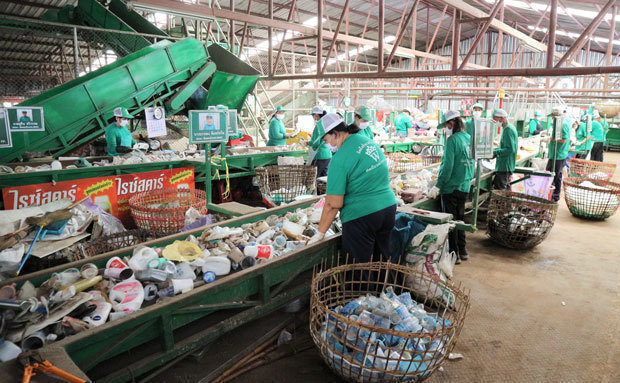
pixel 279 116
pixel 124 122
pixel 448 132
pixel 363 125
pixel 333 149
pixel 477 114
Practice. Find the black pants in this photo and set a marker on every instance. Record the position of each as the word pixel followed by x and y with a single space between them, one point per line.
pixel 454 203
pixel 557 178
pixel 321 167
pixel 597 152
pixel 364 240
pixel 581 156
pixel 502 180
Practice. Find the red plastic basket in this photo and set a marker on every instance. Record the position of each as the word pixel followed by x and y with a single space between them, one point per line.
pixel 164 210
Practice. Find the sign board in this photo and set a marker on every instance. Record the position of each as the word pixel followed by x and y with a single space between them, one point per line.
pixel 26 119
pixel 208 126
pixel 557 133
pixel 349 117
pixel 233 123
pixel 5 132
pixel 482 139
pixel 111 193
pixel 155 122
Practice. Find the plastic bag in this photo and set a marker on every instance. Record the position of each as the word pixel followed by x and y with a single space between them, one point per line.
pixel 108 222
pixel 11 258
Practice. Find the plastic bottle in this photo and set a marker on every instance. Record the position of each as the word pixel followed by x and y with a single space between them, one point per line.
pixel 208 277
pixel 155 263
pixel 127 296
pixel 100 315
pixel 279 242
pixel 265 236
pixel 141 257
pixel 182 286
pixel 259 251
pixel 152 275
pixel 150 292
pixel 294 245
pixel 218 265
pixel 184 271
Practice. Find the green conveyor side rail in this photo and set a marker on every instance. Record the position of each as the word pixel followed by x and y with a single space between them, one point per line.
pixel 78 111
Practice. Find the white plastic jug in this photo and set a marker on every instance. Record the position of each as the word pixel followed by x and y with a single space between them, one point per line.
pixel 218 264
pixel 141 258
pixel 100 315
pixel 127 296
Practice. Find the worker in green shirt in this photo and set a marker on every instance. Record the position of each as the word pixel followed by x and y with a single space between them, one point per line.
pixel 117 136
pixel 323 153
pixel 558 153
pixel 477 110
pixel 535 125
pixel 363 118
pixel 454 179
pixel 24 118
pixel 598 138
pixel 506 154
pixel 605 126
pixel 277 132
pixel 583 138
pixel 403 123
pixel 358 186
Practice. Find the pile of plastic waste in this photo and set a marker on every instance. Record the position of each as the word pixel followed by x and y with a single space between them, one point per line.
pixel 376 348
pixel 78 299
pixel 413 186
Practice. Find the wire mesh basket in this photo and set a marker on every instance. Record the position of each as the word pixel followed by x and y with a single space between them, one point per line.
pixel 590 198
pixel 163 211
pixel 369 351
pixel 591 169
pixel 519 221
pixel 117 241
pixel 405 162
pixel 283 183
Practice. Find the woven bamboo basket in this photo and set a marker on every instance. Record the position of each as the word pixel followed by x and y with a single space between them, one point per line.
pixel 163 211
pixel 519 221
pixel 406 162
pixel 388 355
pixel 283 183
pixel 590 198
pixel 591 169
pixel 117 241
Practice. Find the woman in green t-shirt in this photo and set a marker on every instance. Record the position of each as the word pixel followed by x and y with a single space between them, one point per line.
pixel 358 186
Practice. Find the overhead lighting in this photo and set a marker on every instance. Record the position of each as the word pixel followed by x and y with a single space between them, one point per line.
pixel 541 7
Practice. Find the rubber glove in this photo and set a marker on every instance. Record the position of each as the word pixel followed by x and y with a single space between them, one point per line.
pixel 433 193
pixel 316 238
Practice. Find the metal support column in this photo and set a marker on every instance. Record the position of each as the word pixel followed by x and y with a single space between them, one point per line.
pixel 552 24
pixel 75 53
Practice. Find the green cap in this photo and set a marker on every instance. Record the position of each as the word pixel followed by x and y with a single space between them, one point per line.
pixel 122 112
pixel 364 112
pixel 537 114
pixel 477 105
pixel 279 109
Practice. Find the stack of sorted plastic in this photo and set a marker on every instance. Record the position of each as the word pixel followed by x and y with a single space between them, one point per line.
pixel 77 299
pixel 386 336
pixel 519 221
pixel 413 186
pixel 591 198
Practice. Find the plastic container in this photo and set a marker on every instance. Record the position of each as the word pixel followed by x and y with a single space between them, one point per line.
pixel 100 315
pixel 259 251
pixel 8 350
pixel 67 277
pixel 127 296
pixel 34 341
pixel 152 275
pixel 292 228
pixel 89 270
pixel 150 292
pixel 84 284
pixel 247 262
pixel 122 274
pixel 156 263
pixel 208 277
pixel 266 236
pixel 141 257
pixel 217 264
pixel 184 271
pixel 182 286
pixel 168 267
pixel 279 242
pixel 115 263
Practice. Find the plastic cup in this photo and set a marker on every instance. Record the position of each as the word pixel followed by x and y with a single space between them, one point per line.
pixel 89 270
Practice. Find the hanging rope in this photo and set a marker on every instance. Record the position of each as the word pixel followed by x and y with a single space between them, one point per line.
pixel 218 162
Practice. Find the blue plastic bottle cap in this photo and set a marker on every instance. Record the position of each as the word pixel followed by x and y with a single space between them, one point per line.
pixel 209 277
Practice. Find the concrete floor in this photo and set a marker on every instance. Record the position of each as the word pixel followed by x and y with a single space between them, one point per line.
pixel 551 314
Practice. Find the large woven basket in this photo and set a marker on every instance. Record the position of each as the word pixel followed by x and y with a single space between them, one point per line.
pixel 590 198
pixel 349 342
pixel 591 169
pixel 117 241
pixel 283 183
pixel 519 221
pixel 406 162
pixel 163 211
